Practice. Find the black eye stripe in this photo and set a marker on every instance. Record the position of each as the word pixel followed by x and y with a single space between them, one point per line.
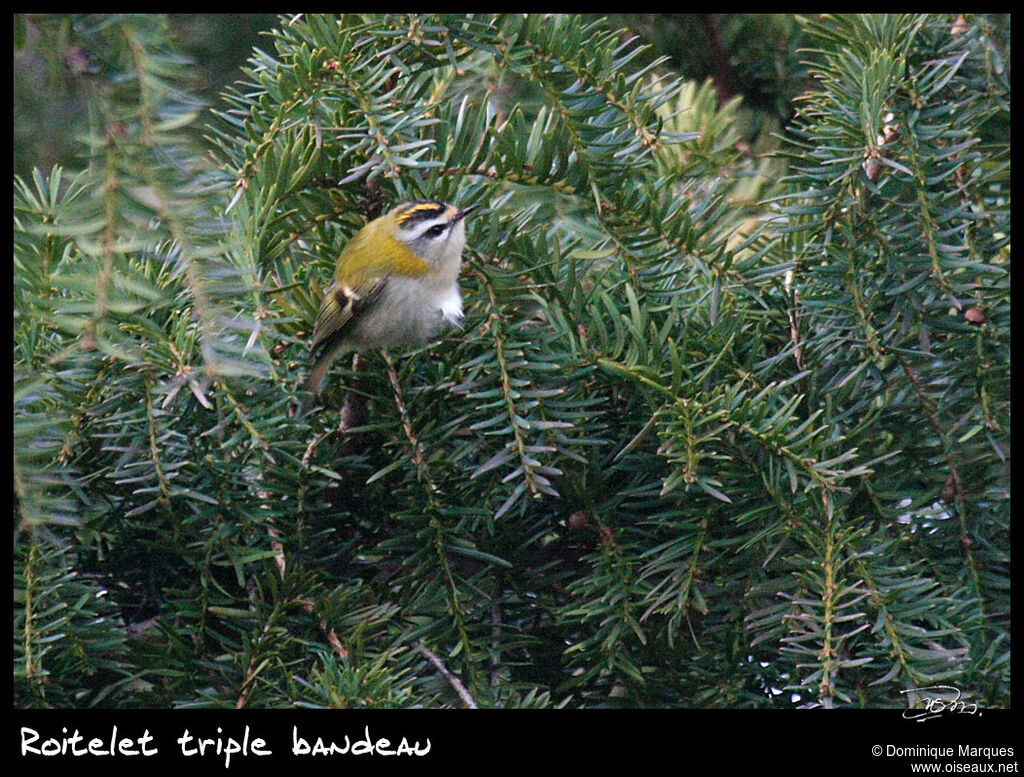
pixel 437 230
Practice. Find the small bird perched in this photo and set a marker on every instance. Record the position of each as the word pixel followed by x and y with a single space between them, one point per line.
pixel 396 284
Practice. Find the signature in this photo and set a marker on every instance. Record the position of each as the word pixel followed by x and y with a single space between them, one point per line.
pixel 934 706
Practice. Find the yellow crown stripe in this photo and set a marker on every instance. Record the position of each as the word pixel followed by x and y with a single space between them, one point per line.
pixel 416 210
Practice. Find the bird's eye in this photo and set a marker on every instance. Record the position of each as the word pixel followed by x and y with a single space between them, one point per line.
pixel 437 230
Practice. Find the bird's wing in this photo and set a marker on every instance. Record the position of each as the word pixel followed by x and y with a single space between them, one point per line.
pixel 342 304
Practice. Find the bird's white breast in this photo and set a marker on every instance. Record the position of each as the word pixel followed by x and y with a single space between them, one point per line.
pixel 451 306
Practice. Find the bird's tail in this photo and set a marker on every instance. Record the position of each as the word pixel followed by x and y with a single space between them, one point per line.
pixel 311 386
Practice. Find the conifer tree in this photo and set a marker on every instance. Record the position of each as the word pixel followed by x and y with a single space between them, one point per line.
pixel 721 428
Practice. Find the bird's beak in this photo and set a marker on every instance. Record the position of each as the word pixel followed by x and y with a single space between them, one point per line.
pixel 463 212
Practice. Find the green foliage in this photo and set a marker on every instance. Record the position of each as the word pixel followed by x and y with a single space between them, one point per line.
pixel 706 437
pixel 898 228
pixel 65 627
pixel 54 75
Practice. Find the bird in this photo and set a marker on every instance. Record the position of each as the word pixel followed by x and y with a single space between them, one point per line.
pixel 395 285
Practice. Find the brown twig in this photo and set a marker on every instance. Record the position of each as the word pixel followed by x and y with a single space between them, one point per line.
pixel 723 77
pixel 353 413
pixel 417 454
pixel 793 313
pixel 353 409
pixel 496 640
pixel 454 681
